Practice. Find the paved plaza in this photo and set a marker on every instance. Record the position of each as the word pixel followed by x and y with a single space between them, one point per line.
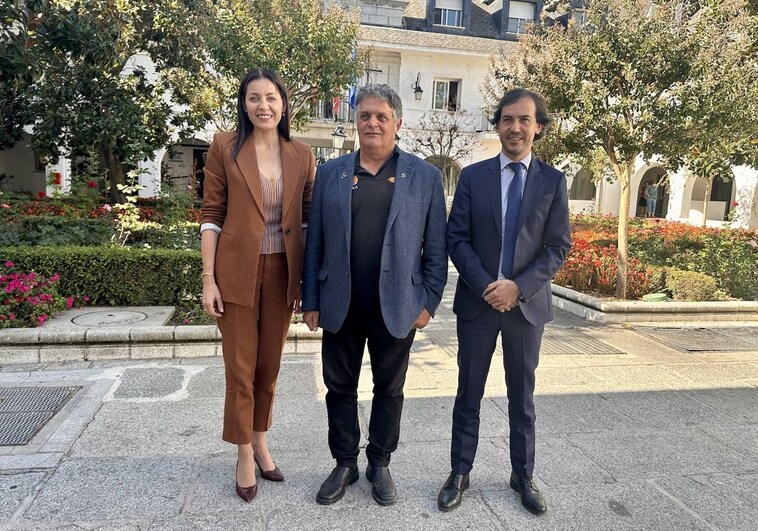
pixel 639 427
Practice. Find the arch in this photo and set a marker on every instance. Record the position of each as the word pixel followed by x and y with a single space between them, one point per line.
pixel 720 199
pixel 450 171
pixel 181 166
pixel 656 175
pixel 582 186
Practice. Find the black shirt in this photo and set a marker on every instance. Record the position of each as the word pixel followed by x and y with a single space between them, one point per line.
pixel 372 197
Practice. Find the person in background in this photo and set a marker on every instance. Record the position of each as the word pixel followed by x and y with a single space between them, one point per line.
pixel 651 196
pixel 258 186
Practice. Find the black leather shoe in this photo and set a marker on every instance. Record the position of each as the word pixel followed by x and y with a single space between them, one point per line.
pixel 531 498
pixel 333 489
pixel 451 493
pixel 382 486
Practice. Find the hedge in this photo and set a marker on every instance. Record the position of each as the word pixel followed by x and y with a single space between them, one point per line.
pixel 115 276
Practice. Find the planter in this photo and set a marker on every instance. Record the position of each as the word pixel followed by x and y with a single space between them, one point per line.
pixel 601 311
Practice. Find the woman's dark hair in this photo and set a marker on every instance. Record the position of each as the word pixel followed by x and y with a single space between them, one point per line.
pixel 244 125
pixel 516 94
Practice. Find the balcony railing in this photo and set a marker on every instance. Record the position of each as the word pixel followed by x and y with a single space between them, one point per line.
pixel 324 110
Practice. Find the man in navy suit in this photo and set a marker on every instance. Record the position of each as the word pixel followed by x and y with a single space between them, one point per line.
pixel 374 269
pixel 507 235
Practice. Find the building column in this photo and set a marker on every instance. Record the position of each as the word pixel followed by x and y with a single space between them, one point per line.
pixel 150 175
pixel 58 177
pixel 678 207
pixel 746 196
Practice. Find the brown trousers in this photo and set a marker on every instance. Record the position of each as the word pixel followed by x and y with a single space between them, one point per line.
pixel 253 340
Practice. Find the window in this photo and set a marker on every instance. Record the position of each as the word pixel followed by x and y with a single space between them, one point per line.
pixel 519 14
pixel 446 95
pixel 448 13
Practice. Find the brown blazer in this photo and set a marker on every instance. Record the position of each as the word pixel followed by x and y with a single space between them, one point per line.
pixel 233 200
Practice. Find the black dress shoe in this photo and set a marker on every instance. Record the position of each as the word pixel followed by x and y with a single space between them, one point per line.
pixel 531 498
pixel 451 493
pixel 382 486
pixel 333 488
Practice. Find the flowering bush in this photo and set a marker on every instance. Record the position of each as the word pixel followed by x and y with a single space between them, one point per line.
pixel 590 268
pixel 730 256
pixel 28 299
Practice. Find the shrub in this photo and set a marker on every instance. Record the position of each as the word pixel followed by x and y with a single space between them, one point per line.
pixel 52 231
pixel 29 299
pixel 116 276
pixel 690 285
pixel 592 268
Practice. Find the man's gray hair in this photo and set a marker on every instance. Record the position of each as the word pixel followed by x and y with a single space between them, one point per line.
pixel 381 92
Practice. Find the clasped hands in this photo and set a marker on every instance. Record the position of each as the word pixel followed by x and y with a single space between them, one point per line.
pixel 310 318
pixel 502 295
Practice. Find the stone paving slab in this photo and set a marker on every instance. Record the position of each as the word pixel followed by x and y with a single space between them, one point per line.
pixel 632 506
pixel 14 488
pixel 113 489
pixel 655 453
pixel 724 501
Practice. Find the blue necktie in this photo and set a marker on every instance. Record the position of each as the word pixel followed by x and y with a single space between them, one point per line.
pixel 510 228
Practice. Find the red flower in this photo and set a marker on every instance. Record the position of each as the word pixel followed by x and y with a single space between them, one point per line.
pixel 91 184
pixel 40 194
pixel 57 178
pixel 734 204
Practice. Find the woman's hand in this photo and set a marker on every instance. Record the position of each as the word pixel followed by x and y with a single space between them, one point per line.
pixel 212 302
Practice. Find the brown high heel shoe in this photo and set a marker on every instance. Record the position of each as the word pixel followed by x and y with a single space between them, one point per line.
pixel 246 493
pixel 270 475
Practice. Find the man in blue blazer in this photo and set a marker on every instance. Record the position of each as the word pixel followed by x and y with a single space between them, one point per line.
pixel 374 269
pixel 507 235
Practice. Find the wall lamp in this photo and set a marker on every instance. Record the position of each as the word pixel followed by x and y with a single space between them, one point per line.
pixel 338 137
pixel 417 90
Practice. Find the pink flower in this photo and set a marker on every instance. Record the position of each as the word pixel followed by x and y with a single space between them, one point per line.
pixel 4 205
pixel 9 264
pixel 86 298
pixel 42 318
pixel 11 316
pixel 107 208
pixel 69 302
pixel 55 277
pixel 734 204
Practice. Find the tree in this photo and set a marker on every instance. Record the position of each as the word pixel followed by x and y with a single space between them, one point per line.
pixel 720 98
pixel 16 72
pixel 310 47
pixel 92 93
pixel 613 80
pixel 443 137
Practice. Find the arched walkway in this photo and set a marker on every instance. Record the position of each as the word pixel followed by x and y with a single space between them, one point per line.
pixel 656 176
pixel 450 172
pixel 720 199
pixel 182 166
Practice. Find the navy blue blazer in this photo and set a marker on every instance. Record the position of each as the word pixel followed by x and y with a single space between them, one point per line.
pixel 414 257
pixel 474 237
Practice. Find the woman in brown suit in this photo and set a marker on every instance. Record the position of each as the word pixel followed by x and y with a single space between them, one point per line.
pixel 258 185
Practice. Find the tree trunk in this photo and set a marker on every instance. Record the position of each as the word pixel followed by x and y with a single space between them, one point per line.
pixel 111 164
pixel 623 174
pixel 708 186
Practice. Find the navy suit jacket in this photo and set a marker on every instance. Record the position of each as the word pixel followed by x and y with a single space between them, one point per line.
pixel 414 256
pixel 474 237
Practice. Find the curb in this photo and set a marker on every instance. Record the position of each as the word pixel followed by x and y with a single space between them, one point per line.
pixel 600 311
pixel 41 345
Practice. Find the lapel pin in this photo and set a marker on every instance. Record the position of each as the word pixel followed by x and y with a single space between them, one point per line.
pixel 402 175
pixel 343 175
